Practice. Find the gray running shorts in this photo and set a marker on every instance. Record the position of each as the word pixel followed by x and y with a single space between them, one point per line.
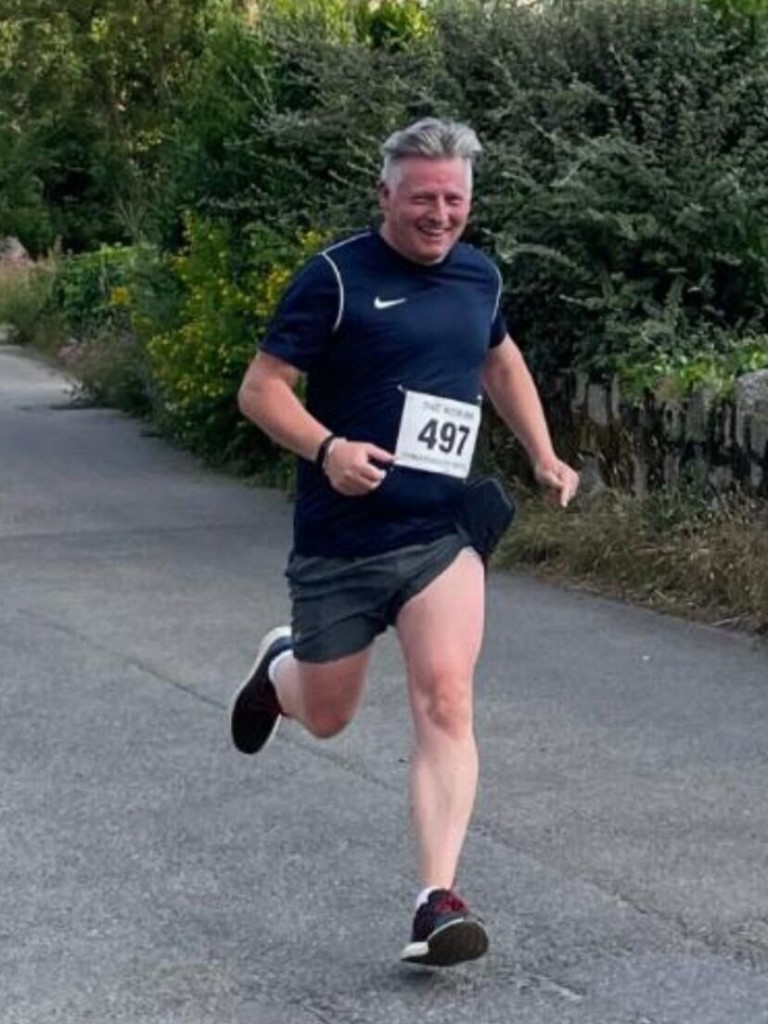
pixel 340 605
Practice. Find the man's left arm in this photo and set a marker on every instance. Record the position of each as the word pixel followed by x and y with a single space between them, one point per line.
pixel 511 388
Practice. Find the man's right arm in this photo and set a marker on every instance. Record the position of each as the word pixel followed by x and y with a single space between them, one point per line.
pixel 268 398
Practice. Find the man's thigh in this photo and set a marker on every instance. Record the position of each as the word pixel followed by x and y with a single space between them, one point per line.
pixel 441 628
pixel 341 605
pixel 337 607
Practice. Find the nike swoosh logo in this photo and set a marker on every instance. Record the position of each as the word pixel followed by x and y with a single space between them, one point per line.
pixel 386 303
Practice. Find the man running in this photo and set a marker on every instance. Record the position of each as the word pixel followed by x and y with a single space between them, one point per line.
pixel 399 334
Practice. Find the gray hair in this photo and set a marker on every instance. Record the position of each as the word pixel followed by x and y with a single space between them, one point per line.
pixel 429 137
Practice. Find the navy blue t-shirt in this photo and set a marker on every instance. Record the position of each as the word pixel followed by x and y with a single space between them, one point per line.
pixel 365 324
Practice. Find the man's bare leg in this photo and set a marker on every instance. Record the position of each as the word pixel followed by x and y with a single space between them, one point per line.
pixel 323 697
pixel 440 631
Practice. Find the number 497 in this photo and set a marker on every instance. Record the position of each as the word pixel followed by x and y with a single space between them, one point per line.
pixel 446 436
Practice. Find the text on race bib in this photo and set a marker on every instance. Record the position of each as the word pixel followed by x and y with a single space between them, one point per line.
pixel 437 435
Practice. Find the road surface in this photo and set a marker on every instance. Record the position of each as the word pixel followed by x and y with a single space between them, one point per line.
pixel 153 874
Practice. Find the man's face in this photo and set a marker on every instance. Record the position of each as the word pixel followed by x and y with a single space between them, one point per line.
pixel 427 206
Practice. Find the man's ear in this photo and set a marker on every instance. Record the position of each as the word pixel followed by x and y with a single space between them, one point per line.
pixel 384 195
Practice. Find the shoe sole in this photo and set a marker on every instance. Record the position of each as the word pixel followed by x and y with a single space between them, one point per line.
pixel 266 643
pixel 454 943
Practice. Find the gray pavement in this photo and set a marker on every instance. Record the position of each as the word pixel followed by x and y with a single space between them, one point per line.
pixel 152 874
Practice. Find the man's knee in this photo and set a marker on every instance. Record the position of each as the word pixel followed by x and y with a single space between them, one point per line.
pixel 325 722
pixel 445 700
pixel 331 693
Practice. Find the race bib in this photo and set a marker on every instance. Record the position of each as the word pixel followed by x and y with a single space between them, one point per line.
pixel 437 435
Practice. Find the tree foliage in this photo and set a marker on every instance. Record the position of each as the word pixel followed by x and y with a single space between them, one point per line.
pixel 622 193
pixel 622 188
pixel 87 95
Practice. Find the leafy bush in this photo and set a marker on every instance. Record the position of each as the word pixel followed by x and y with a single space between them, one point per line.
pixel 279 123
pixel 621 189
pixel 621 192
pixel 110 301
pixel 87 98
pixel 714 366
pixel 198 364
pixel 92 290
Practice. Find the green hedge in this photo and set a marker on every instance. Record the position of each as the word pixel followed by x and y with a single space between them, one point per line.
pixel 622 189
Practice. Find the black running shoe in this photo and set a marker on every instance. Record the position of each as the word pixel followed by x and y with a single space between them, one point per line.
pixel 255 711
pixel 445 932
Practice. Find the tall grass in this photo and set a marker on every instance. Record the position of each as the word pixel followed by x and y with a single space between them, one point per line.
pixel 25 303
pixel 678 552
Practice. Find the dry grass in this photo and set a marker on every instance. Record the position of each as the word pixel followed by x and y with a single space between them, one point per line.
pixel 111 371
pixel 25 293
pixel 673 551
pixel 14 280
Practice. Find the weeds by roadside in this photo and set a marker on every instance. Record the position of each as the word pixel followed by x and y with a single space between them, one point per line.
pixel 680 552
pixel 25 303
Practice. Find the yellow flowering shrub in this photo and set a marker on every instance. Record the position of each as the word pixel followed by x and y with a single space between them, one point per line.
pixel 228 295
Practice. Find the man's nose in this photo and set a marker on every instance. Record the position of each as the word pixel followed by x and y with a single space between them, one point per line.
pixel 439 210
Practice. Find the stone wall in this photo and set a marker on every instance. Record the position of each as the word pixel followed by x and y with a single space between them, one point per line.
pixel 12 252
pixel 642 445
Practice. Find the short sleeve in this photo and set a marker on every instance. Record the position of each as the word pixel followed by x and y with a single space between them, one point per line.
pixel 499 330
pixel 305 317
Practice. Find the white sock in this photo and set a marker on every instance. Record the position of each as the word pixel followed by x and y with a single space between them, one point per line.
pixel 275 664
pixel 424 895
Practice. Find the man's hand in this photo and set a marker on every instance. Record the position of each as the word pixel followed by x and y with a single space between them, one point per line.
pixel 560 478
pixel 350 466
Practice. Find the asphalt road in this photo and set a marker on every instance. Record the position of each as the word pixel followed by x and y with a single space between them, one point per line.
pixel 152 874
